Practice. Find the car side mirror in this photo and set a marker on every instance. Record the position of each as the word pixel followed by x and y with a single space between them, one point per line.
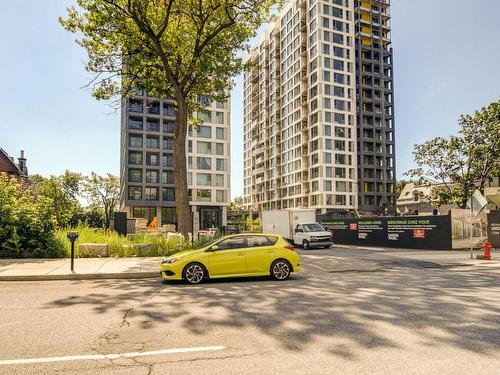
pixel 214 248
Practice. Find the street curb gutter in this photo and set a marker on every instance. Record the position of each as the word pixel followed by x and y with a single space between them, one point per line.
pixel 76 276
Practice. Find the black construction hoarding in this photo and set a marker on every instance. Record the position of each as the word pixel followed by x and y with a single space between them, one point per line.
pixel 494 228
pixel 409 232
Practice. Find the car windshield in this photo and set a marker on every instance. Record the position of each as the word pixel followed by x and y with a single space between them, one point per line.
pixel 314 227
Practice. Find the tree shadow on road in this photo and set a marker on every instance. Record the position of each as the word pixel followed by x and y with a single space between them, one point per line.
pixel 441 307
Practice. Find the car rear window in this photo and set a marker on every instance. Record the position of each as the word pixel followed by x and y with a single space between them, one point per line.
pixel 256 241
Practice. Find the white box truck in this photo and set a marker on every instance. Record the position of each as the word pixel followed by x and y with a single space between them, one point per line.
pixel 298 226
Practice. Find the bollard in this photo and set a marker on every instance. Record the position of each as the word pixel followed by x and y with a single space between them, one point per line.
pixel 72 237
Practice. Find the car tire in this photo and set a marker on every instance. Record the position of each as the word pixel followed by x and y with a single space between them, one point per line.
pixel 194 273
pixel 305 245
pixel 326 246
pixel 281 269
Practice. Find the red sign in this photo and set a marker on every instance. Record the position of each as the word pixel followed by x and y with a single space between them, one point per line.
pixel 418 233
pixel 353 226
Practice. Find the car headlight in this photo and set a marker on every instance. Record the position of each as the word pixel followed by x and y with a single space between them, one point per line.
pixel 169 260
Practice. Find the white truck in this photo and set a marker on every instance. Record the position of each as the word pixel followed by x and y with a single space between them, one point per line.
pixel 298 226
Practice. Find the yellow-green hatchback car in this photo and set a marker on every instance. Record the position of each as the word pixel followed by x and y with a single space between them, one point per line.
pixel 234 256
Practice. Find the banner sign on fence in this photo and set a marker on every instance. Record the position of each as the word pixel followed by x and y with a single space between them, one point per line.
pixel 494 228
pixel 410 232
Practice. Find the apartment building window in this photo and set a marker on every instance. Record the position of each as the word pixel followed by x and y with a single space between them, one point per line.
pixel 327 129
pixel 220 196
pixel 135 140
pixel 328 171
pixel 135 106
pixel 190 178
pixel 168 215
pixel 328 185
pixel 168 143
pixel 340 186
pixel 152 141
pixel 151 193
pixel 152 159
pixel 144 212
pixel 134 193
pixel 220 165
pixel 205 116
pixel 219 117
pixel 167 177
pixel 152 125
pixel 167 160
pixel 204 131
pixel 327 157
pixel 203 163
pixel 135 157
pixel 220 133
pixel 314 159
pixel 219 148
pixel 314 186
pixel 168 127
pixel 135 123
pixel 153 108
pixel 219 180
pixel 340 159
pixel 203 147
pixel 169 110
pixel 204 179
pixel 152 176
pixel 338 91
pixel 168 194
pixel 135 175
pixel 339 132
pixel 340 200
pixel 340 172
pixel 203 195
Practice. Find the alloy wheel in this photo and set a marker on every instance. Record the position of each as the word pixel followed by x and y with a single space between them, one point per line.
pixel 194 274
pixel 281 270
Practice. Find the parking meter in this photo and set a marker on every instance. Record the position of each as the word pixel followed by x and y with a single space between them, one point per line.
pixel 72 237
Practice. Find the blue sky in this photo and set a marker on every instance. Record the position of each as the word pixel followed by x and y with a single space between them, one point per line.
pixel 446 56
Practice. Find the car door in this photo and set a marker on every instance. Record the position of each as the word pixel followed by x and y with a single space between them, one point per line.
pixel 259 252
pixel 298 235
pixel 228 257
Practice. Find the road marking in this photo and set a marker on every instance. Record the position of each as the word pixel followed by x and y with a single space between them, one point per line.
pixel 369 248
pixel 107 356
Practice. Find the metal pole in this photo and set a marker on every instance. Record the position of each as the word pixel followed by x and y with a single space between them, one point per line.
pixel 72 255
pixel 471 229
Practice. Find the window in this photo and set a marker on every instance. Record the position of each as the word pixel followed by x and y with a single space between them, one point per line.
pixel 152 141
pixel 340 200
pixel 168 194
pixel 134 193
pixel 219 148
pixel 257 241
pixel 152 125
pixel 168 215
pixel 220 196
pixel 341 186
pixel 152 176
pixel 204 179
pixel 219 133
pixel 152 159
pixel 135 123
pixel 169 110
pixel 168 143
pixel 135 157
pixel 220 165
pixel 231 243
pixel 204 147
pixel 135 140
pixel 205 116
pixel 144 212
pixel 219 117
pixel 204 163
pixel 204 195
pixel 151 193
pixel 167 160
pixel 219 180
pixel 167 177
pixel 204 131
pixel 328 185
pixel 135 106
pixel 135 175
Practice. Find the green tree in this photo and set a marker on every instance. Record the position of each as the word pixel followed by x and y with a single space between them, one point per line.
pixel 27 222
pixel 182 49
pixel 460 164
pixel 237 203
pixel 63 192
pixel 103 192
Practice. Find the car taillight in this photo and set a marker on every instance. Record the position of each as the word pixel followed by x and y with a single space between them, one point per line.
pixel 289 247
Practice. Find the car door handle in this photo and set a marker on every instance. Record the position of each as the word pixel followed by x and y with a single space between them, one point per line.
pixel 269 251
pixel 241 254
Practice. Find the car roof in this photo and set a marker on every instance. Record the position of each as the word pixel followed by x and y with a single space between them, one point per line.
pixel 253 234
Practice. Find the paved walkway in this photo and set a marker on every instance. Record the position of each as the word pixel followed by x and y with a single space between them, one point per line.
pixel 85 268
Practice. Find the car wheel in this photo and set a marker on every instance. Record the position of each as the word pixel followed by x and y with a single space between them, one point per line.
pixel 280 269
pixel 326 247
pixel 305 245
pixel 194 273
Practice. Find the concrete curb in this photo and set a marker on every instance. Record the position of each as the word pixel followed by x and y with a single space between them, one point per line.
pixel 83 276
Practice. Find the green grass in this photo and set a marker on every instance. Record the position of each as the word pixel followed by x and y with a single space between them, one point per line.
pixel 120 246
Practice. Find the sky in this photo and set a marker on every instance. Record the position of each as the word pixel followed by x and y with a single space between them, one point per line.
pixel 446 62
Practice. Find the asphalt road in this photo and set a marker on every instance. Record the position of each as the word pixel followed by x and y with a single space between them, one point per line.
pixel 381 317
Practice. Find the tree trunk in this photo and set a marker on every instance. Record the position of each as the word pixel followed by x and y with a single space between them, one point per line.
pixel 183 210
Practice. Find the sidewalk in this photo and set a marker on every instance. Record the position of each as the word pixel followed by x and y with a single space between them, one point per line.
pixel 85 268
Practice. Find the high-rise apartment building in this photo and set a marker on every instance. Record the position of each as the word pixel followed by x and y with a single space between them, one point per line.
pixel 301 107
pixel 375 113
pixel 146 173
